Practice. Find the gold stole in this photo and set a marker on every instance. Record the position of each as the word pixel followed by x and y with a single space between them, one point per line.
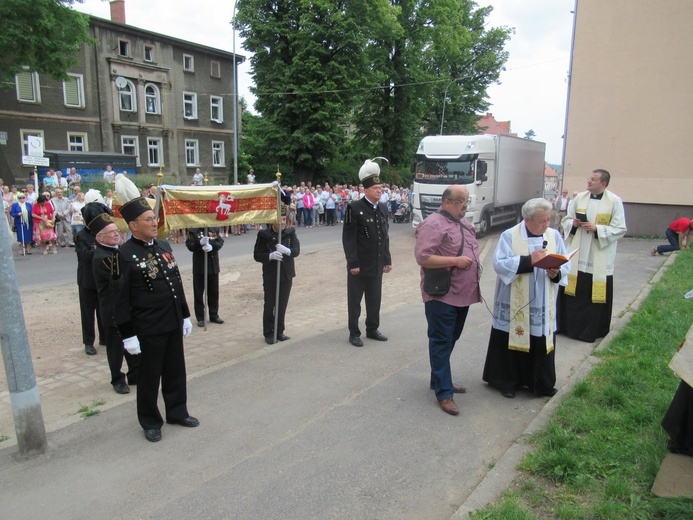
pixel 519 327
pixel 600 255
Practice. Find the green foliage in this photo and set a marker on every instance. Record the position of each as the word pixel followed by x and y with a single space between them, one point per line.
pixel 327 69
pixel 3 438
pixel 43 35
pixel 601 452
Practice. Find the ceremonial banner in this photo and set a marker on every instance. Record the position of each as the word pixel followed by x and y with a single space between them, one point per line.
pixel 184 207
pixel 118 218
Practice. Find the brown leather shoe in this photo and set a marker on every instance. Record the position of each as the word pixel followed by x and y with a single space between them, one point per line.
pixel 449 406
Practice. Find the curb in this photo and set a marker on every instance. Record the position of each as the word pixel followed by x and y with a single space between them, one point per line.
pixel 504 472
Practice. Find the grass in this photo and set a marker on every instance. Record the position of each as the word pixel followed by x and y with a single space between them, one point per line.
pixel 88 411
pixel 599 455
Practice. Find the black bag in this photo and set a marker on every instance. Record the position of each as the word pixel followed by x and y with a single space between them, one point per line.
pixel 437 281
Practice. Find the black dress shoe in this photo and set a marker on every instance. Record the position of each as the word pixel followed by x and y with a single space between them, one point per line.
pixel 200 323
pixel 188 422
pixel 153 435
pixel 356 341
pixel 550 393
pixel 90 350
pixel 282 337
pixel 376 335
pixel 510 394
pixel 121 388
pixel 216 319
pixel 269 340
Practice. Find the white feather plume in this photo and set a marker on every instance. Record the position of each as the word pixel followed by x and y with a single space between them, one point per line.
pixel 93 196
pixel 125 189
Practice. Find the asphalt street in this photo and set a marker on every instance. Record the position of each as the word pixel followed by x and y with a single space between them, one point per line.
pixel 306 429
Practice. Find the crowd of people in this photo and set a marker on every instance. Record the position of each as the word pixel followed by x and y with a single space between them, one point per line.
pixel 527 314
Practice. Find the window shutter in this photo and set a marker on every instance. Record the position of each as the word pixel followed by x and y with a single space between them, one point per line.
pixel 25 86
pixel 71 89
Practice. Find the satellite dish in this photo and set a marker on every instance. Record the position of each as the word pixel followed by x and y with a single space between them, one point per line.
pixel 121 82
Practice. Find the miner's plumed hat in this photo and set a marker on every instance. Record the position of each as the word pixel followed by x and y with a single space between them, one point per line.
pixel 129 194
pixel 96 216
pixel 369 174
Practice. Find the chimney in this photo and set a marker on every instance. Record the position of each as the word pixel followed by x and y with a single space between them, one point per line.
pixel 118 11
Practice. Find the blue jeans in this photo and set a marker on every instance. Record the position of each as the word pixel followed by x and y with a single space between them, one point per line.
pixel 445 324
pixel 673 238
pixel 307 217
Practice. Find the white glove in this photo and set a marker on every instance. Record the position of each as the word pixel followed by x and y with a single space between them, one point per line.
pixel 204 241
pixel 275 255
pixel 132 345
pixel 187 327
pixel 283 249
pixel 207 248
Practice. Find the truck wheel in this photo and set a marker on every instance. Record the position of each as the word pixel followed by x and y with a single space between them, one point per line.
pixel 484 225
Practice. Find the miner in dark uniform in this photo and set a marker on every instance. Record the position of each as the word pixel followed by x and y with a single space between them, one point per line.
pixel 367 249
pixel 201 246
pixel 268 251
pixel 153 317
pixel 99 221
pixel 85 243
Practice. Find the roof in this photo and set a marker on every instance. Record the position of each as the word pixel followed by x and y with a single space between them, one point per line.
pixel 488 125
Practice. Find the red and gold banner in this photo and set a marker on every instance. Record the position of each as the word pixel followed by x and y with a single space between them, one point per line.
pixel 214 206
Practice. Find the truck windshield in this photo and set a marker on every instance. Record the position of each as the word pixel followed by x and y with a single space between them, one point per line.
pixel 444 172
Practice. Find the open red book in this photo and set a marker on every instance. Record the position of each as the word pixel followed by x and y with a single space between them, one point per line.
pixel 554 260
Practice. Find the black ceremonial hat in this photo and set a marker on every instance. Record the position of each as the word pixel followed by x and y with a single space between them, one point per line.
pixel 133 209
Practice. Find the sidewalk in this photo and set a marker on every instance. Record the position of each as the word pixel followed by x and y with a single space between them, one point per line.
pixel 308 428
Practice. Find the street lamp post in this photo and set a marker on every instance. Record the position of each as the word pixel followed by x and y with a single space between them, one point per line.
pixel 445 97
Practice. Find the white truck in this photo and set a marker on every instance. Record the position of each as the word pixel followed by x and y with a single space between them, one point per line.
pixel 501 173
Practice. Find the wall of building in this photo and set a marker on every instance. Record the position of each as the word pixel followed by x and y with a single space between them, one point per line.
pixel 630 108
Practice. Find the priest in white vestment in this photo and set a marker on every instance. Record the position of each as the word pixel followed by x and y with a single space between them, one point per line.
pixel 594 223
pixel 521 350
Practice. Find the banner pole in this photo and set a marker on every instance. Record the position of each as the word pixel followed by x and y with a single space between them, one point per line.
pixel 279 266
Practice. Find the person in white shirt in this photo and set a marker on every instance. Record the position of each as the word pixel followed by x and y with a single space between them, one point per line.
pixel 198 178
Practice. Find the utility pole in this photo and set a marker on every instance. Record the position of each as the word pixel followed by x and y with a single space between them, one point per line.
pixel 21 381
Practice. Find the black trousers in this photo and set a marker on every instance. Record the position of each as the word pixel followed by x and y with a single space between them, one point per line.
pixel 372 288
pixel 212 295
pixel 88 307
pixel 270 289
pixel 162 360
pixel 115 353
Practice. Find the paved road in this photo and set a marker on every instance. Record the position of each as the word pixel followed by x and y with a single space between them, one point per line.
pixel 307 429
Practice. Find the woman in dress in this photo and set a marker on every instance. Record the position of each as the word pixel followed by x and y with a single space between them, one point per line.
pixel 21 212
pixel 44 223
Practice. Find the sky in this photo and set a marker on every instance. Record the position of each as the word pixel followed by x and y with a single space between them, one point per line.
pixel 531 94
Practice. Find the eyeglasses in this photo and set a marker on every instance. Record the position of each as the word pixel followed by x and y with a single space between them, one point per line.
pixel 112 232
pixel 149 220
pixel 21 197
pixel 458 201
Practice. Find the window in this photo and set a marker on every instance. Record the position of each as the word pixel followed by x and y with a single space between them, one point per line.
pixel 154 152
pixel 189 105
pixel 73 91
pixel 215 70
pixel 25 134
pixel 77 142
pixel 28 90
pixel 130 146
pixel 152 99
pixel 188 63
pixel 127 96
pixel 124 48
pixel 218 159
pixel 148 53
pixel 216 109
pixel 191 152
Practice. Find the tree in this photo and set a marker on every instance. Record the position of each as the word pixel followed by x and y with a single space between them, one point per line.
pixel 529 134
pixel 306 55
pixel 44 36
pixel 437 45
